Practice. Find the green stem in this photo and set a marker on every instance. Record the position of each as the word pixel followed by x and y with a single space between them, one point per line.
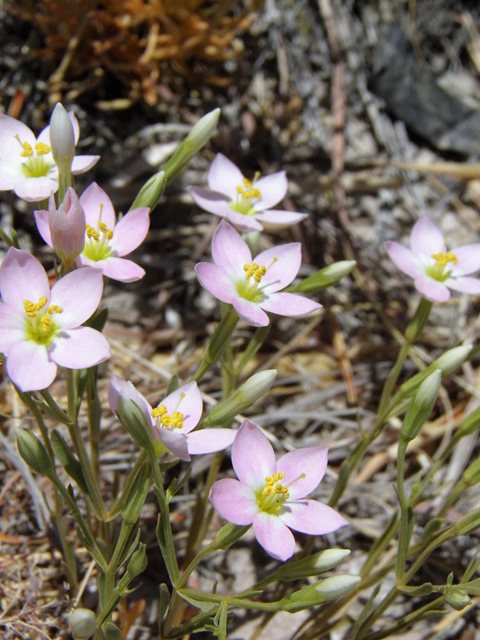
pixel 217 344
pixel 120 501
pixel 404 538
pixel 254 345
pixel 94 418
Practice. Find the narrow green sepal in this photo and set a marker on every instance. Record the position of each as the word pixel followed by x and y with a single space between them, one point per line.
pixel 326 277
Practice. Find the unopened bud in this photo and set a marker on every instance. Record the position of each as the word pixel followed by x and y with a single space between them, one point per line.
pixel 132 410
pixel 151 192
pixel 313 565
pixel 457 598
pixel 325 277
pixel 336 587
pixel 138 562
pixel 421 406
pixel 67 227
pixel 62 138
pixel 83 624
pixel 33 451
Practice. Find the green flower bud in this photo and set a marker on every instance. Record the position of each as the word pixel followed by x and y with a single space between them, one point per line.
pixel 251 391
pixel 151 192
pixel 313 565
pixel 62 138
pixel 33 452
pixel 336 587
pixel 138 562
pixel 229 534
pixel 325 277
pixel 421 406
pixel 457 598
pixel 83 624
pixel 137 424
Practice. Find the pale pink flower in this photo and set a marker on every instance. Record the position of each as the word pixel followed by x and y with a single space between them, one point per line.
pixel 253 286
pixel 26 162
pixel 40 328
pixel 106 242
pixel 174 418
pixel 245 204
pixel 66 226
pixel 270 494
pixel 435 269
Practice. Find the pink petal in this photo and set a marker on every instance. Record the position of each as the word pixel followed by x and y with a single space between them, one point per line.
pixel 119 387
pixel 426 238
pixel 465 285
pixel 79 348
pixel 404 259
pixel 22 277
pixel 80 164
pixel 224 176
pixel 280 218
pixel 78 294
pixel 273 189
pixel 130 232
pixel 234 501
pixel 312 517
pixel 211 201
pixel 280 273
pixel 29 367
pixel 310 462
pixel 175 442
pixel 35 189
pixel 274 536
pixel 10 147
pixel 209 440
pixel 41 218
pixel 289 304
pixel 10 175
pixel 191 405
pixel 12 327
pixel 432 289
pixel 229 250
pixel 92 200
pixel 215 280
pixel 252 456
pixel 250 313
pixel 468 259
pixel 244 222
pixel 119 269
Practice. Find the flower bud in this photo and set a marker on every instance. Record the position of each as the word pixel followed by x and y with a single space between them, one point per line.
pixel 33 451
pixel 83 624
pixel 62 138
pixel 336 587
pixel 135 422
pixel 457 598
pixel 250 391
pixel 151 192
pixel 421 406
pixel 313 565
pixel 138 562
pixel 229 534
pixel 67 227
pixel 325 277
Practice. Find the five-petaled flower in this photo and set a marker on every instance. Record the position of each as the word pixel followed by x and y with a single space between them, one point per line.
pixel 174 418
pixel 435 269
pixel 26 162
pixel 40 328
pixel 253 286
pixel 106 242
pixel 246 204
pixel 270 494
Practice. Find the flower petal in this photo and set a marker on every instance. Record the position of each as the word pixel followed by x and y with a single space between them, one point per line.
pixel 191 405
pixel 252 456
pixel 209 440
pixel 234 501
pixel 273 189
pixel 312 517
pixel 310 462
pixel 289 304
pixel 404 259
pixel 274 536
pixel 175 442
pixel 130 231
pixel 78 294
pixel 119 387
pixel 250 313
pixel 244 222
pixel 79 348
pixel 229 250
pixel 468 259
pixel 29 367
pixel 41 218
pixel 215 280
pixel 22 277
pixel 224 176
pixel 80 164
pixel 12 327
pixel 282 263
pixel 465 285
pixel 35 189
pixel 97 206
pixel 426 238
pixel 11 148
pixel 211 201
pixel 10 175
pixel 432 289
pixel 280 218
pixel 119 269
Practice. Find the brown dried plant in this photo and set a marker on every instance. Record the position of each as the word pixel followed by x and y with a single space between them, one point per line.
pixel 140 42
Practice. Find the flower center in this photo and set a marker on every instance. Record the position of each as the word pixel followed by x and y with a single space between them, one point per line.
pixel 273 496
pixel 175 421
pixel 35 165
pixel 40 327
pixel 249 288
pixel 438 271
pixel 97 243
pixel 247 193
pixel 253 270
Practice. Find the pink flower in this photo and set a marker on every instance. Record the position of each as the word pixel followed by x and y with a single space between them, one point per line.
pixel 245 204
pixel 270 495
pixel 174 418
pixel 252 287
pixel 26 162
pixel 434 269
pixel 66 226
pixel 39 328
pixel 106 242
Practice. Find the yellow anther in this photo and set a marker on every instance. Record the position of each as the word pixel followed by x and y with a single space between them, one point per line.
pixel 247 183
pixel 46 322
pixel 166 421
pixel 102 226
pixel 31 308
pixel 55 309
pixel 444 258
pixel 92 233
pixel 27 150
pixel 175 420
pixel 253 270
pixel 159 411
pixel 41 148
pixel 249 191
pixel 109 234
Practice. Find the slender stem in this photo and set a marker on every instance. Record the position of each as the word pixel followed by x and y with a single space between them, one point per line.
pixel 217 344
pixel 94 418
pixel 120 501
pixel 254 345
pixel 403 540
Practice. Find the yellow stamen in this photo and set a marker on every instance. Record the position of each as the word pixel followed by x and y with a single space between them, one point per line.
pixel 55 309
pixel 253 270
pixel 27 150
pixel 31 308
pixel 42 148
pixel 159 411
pixel 92 233
pixel 444 258
pixel 175 420
pixel 109 234
pixel 45 322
